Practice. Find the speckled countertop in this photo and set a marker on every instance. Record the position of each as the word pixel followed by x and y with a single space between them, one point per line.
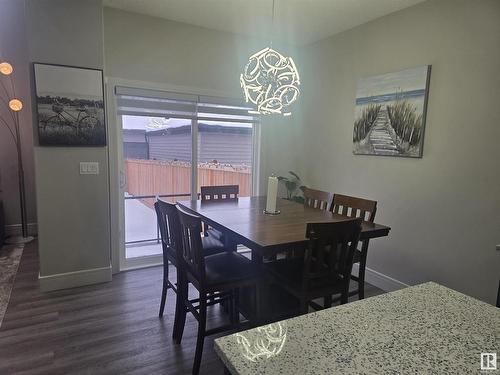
pixel 425 329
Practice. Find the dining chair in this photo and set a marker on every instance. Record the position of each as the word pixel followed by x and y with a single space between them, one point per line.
pixel 313 198
pixel 218 276
pixel 365 209
pixel 170 233
pixel 221 192
pixel 218 193
pixel 326 266
pixel 317 198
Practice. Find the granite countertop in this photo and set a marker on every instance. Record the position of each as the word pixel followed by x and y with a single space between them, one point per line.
pixel 422 329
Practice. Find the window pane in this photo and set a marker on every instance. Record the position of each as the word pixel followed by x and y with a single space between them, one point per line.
pixel 225 154
pixel 157 156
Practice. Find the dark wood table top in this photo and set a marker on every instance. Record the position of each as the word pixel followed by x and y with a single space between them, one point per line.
pixel 246 222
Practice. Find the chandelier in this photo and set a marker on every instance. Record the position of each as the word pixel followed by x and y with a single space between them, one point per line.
pixel 270 81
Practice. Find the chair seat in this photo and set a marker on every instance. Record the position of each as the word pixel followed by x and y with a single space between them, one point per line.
pixel 229 268
pixel 212 245
pixel 288 273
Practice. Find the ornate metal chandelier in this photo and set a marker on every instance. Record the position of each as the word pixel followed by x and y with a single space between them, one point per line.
pixel 270 81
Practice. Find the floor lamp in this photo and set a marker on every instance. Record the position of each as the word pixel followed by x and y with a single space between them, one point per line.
pixel 13 106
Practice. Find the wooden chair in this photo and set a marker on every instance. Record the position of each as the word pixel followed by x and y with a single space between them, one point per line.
pixel 365 209
pixel 326 266
pixel 321 200
pixel 218 193
pixel 317 199
pixel 220 276
pixel 222 192
pixel 168 222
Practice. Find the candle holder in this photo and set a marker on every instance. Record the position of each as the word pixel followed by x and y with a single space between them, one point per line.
pixel 277 212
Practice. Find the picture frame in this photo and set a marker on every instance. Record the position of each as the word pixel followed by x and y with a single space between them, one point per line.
pixel 390 113
pixel 70 106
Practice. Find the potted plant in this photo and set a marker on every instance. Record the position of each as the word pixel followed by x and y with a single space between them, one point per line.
pixel 293 186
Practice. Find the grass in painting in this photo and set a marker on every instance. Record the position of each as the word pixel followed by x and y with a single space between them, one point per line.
pixel 363 125
pixel 405 121
pixel 65 137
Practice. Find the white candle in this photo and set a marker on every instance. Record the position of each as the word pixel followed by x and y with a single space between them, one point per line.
pixel 272 193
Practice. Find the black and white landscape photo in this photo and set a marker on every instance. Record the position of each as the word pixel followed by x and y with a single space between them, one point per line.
pixel 70 106
pixel 390 113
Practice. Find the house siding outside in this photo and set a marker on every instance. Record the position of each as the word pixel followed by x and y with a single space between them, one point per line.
pixel 134 144
pixel 226 145
pixel 170 147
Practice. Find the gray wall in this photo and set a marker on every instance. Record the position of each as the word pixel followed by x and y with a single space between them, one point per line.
pixel 150 49
pixel 13 48
pixel 73 210
pixel 444 209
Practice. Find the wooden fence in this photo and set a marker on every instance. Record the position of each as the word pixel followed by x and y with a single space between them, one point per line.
pixel 152 177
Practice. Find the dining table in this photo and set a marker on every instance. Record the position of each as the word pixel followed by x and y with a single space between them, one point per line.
pixel 423 329
pixel 243 221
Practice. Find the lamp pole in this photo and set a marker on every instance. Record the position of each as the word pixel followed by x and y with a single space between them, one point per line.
pixel 20 172
pixel 15 106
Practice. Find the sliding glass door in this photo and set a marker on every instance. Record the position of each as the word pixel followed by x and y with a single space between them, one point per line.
pixel 173 144
pixel 155 165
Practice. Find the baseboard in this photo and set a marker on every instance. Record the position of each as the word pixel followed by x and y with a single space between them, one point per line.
pixel 384 282
pixel 17 230
pixel 75 279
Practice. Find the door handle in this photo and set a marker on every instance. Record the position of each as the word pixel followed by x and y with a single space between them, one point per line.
pixel 122 180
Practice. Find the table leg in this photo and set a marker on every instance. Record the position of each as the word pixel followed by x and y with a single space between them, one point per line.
pixel 229 243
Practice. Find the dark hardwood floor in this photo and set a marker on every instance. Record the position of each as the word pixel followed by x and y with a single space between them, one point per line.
pixel 110 328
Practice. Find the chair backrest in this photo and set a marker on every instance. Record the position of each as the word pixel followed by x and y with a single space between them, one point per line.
pixel 223 192
pixel 191 256
pixel 170 232
pixel 354 207
pixel 330 252
pixel 317 199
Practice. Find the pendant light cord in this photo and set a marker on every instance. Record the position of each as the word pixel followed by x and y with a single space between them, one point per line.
pixel 272 25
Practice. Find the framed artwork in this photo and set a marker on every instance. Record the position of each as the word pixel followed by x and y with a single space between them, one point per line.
pixel 390 112
pixel 70 106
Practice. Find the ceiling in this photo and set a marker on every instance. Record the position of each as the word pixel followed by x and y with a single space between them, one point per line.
pixel 296 21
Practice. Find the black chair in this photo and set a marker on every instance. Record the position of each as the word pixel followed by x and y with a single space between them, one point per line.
pixel 326 266
pixel 168 222
pixel 365 209
pixel 217 194
pixel 216 276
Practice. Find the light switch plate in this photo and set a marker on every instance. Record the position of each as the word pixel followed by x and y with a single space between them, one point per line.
pixel 89 167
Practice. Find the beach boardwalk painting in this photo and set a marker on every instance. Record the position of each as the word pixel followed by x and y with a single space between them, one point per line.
pixel 390 113
pixel 70 106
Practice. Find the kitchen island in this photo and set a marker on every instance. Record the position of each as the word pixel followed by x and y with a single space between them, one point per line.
pixel 426 328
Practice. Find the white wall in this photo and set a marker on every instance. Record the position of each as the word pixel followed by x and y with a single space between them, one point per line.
pixel 444 209
pixel 73 210
pixel 13 48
